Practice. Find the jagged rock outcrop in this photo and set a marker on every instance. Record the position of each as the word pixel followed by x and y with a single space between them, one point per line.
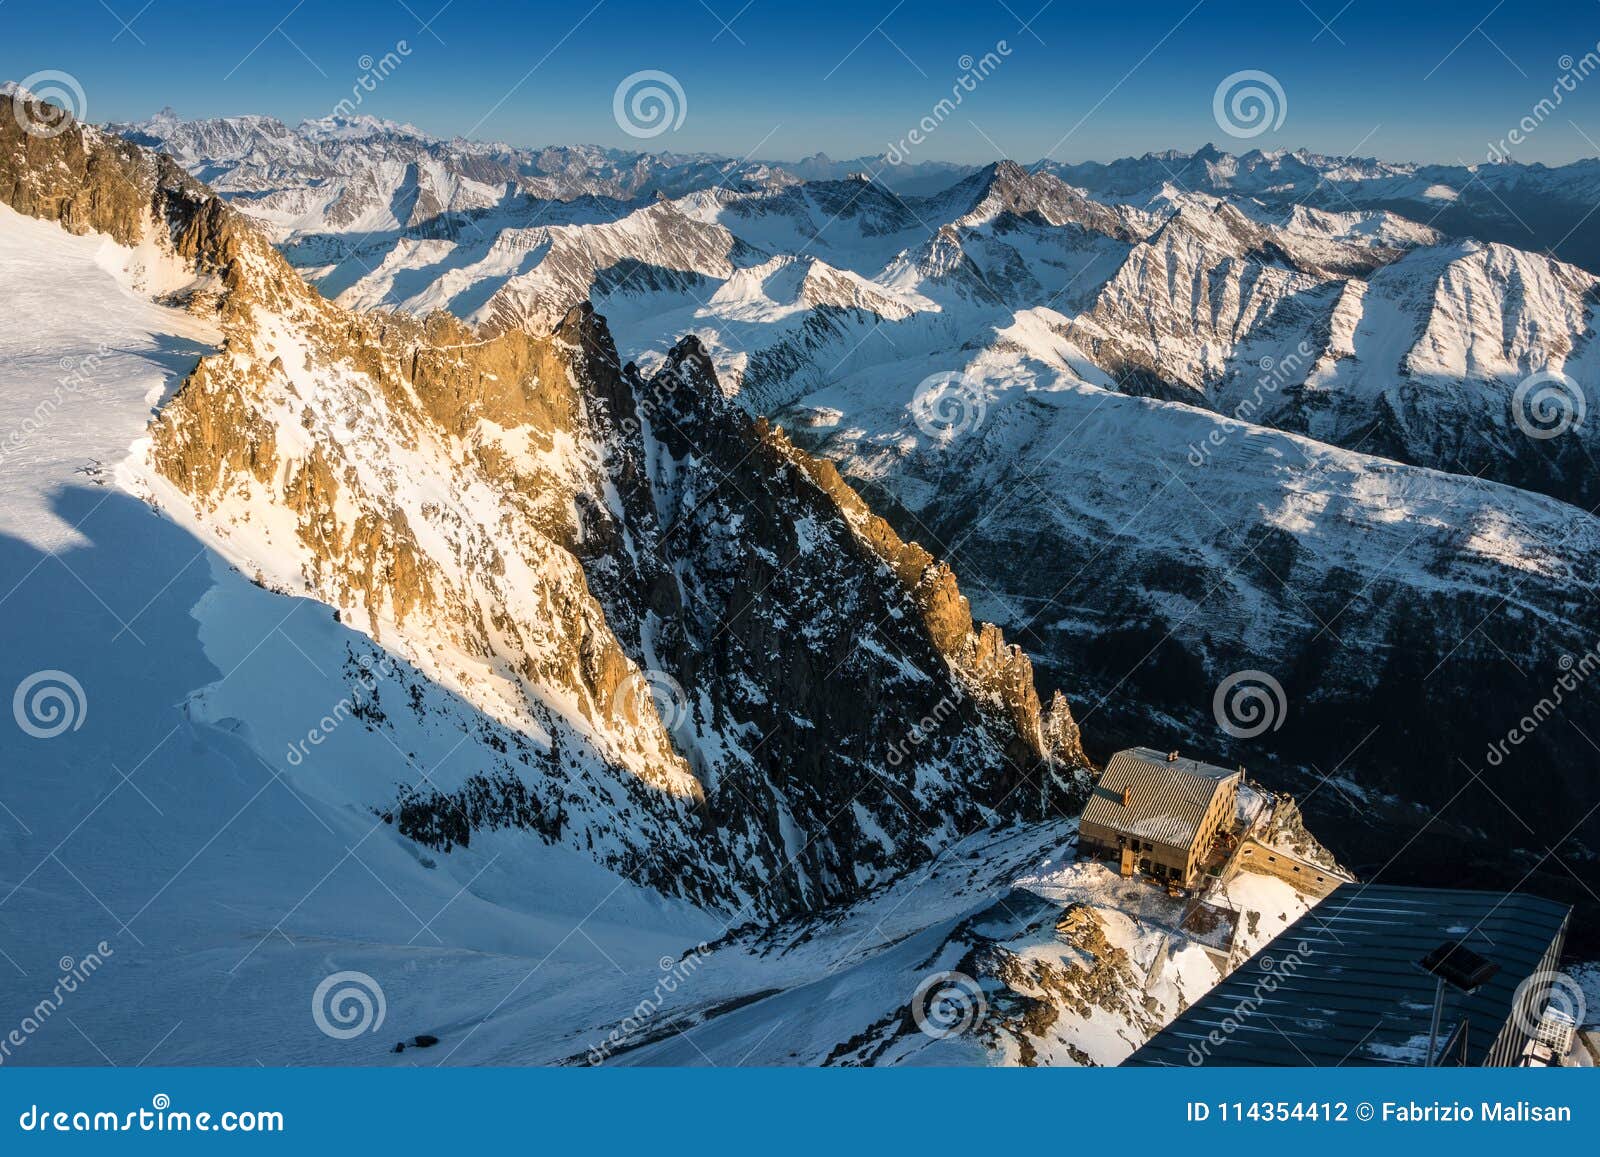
pixel 89 181
pixel 719 672
pixel 1000 670
pixel 799 615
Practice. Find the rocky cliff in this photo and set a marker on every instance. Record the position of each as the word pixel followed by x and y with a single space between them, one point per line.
pixel 711 665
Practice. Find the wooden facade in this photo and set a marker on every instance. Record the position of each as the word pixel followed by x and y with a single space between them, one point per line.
pixel 1163 808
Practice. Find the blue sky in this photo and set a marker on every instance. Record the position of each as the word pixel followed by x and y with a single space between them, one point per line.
pixel 1401 79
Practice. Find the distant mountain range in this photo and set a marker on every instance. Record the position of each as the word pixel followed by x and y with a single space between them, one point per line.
pixel 255 154
pixel 1529 206
pixel 1210 412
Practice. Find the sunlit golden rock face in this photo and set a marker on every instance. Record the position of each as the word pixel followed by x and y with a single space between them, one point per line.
pixel 733 681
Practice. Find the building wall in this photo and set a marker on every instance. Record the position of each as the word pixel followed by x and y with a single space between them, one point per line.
pixel 1508 1045
pixel 1182 860
pixel 1221 811
pixel 1254 856
pixel 1106 839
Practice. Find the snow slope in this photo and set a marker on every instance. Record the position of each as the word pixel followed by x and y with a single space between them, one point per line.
pixel 170 822
pixel 1069 964
pixel 68 392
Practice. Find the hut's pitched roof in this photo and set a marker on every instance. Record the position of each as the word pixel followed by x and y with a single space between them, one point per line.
pixel 1166 799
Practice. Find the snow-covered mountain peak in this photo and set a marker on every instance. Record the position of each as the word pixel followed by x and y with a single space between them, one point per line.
pixel 361 126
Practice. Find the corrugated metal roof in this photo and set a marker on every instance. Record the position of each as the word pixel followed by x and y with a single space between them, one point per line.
pixel 1166 801
pixel 1342 984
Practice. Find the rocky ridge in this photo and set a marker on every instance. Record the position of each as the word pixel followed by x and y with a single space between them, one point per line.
pixel 661 601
